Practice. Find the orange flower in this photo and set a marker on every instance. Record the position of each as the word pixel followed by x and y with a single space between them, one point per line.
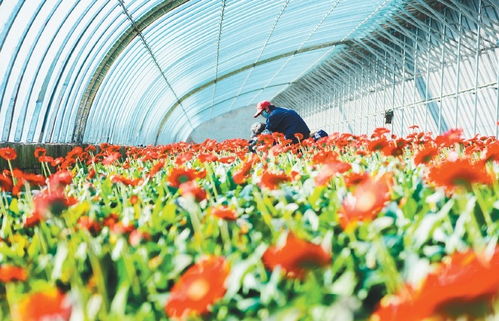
pixel 203 158
pixel 450 137
pixel 45 159
pixel 156 168
pixel 272 181
pixel 202 285
pixel 224 212
pixel 330 169
pixel 111 158
pixel 181 175
pixel 323 157
pixel 227 159
pixel 60 179
pixel 39 306
pixel 425 155
pixel 8 153
pixel 459 173
pixel 461 282
pixel 354 179
pixel 296 257
pixel 377 144
pixel 366 202
pixel 134 199
pixel 241 175
pixel 192 189
pixel 40 151
pixel 184 158
pixel 9 273
pixel 299 136
pixel 492 152
pixel 5 183
pixel 53 201
pixel 125 180
pixel 89 224
pixel 35 179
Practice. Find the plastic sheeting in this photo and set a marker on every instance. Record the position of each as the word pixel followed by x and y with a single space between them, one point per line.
pixel 145 72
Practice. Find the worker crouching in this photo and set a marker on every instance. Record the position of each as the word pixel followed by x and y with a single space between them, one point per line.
pixel 282 120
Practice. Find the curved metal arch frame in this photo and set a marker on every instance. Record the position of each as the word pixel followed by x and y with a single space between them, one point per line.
pixel 21 124
pixel 44 88
pixel 423 29
pixel 105 64
pixel 79 72
pixel 240 70
pixel 132 58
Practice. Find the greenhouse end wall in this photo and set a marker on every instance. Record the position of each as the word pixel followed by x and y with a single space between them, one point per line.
pixel 435 69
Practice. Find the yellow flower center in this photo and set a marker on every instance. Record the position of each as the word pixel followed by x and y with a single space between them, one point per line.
pixel 198 289
pixel 366 201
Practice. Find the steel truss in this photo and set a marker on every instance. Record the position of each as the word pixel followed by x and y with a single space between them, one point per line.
pixel 435 64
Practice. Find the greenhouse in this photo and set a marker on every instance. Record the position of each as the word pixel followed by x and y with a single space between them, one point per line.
pixel 249 160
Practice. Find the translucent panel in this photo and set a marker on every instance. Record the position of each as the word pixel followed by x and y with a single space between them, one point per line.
pixel 149 71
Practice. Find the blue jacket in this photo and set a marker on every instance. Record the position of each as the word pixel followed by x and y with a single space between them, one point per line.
pixel 288 122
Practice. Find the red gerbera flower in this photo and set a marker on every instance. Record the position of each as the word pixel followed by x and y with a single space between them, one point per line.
pixel 425 155
pixel 492 152
pixel 184 158
pixel 35 179
pixel 296 257
pixel 241 175
pixel 47 305
pixel 46 159
pixel 192 189
pixel 450 137
pixel 224 212
pixel 272 181
pixel 181 175
pixel 111 158
pixel 10 273
pixel 203 158
pixel 125 180
pixel 377 144
pixel 299 136
pixel 461 282
pixel 8 153
pixel 459 173
pixel 5 183
pixel 60 179
pixel 353 178
pixel 366 202
pixel 40 151
pixel 330 169
pixel 202 285
pixel 156 168
pixel 227 159
pixel 89 224
pixel 323 157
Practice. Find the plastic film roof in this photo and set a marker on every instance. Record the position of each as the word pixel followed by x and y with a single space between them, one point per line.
pixel 145 72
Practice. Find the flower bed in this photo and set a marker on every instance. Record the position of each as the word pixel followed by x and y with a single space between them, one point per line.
pixel 347 228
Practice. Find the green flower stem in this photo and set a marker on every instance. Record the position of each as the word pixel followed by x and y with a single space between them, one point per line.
pixel 224 232
pixel 14 181
pixel 387 264
pixel 209 174
pixel 98 272
pixel 196 225
pixel 483 207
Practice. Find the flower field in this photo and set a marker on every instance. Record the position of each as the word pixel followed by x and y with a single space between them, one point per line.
pixel 349 227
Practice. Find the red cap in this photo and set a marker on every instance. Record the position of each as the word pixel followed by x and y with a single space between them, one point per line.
pixel 261 106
